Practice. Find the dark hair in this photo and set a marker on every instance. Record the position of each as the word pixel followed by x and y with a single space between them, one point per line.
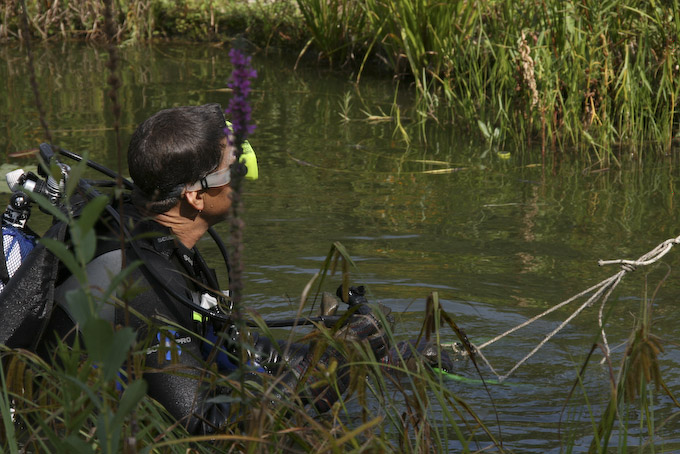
pixel 171 149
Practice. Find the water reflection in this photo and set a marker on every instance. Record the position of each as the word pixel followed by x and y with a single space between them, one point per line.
pixel 500 240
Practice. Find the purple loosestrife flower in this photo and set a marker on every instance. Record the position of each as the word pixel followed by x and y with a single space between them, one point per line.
pixel 239 110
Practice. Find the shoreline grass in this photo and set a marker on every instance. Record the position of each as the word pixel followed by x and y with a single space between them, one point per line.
pixel 566 75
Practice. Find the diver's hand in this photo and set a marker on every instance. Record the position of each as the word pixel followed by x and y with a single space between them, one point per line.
pixel 366 323
pixel 356 296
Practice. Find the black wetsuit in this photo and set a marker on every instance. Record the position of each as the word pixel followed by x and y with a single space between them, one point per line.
pixel 176 269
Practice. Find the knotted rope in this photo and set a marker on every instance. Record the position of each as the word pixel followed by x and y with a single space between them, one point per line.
pixel 602 290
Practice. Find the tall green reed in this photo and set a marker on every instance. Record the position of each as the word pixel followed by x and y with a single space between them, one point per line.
pixel 568 75
pixel 419 34
pixel 334 25
pixel 271 22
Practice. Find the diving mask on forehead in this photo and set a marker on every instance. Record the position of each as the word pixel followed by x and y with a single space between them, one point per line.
pixel 223 176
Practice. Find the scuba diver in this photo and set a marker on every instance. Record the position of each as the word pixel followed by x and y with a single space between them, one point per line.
pixel 180 161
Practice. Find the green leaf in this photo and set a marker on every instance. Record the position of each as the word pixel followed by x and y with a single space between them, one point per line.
pixel 341 249
pixel 87 247
pixel 224 399
pixel 66 256
pixel 483 128
pixel 132 395
pixel 107 347
pixel 91 213
pixel 119 278
pixel 107 433
pixel 7 423
pixel 55 171
pixel 76 445
pixel 79 306
pixel 98 336
pixel 123 340
pixel 74 176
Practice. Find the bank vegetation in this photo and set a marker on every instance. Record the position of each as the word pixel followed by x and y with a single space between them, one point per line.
pixel 593 76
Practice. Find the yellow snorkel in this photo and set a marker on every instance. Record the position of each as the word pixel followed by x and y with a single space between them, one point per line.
pixel 248 158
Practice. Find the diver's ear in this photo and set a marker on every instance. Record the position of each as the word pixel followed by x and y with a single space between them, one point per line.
pixel 196 199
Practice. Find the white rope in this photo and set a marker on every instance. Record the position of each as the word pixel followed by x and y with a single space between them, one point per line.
pixel 602 290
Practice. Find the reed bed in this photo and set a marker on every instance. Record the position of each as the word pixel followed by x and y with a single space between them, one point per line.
pixel 593 76
pixel 90 396
pixel 598 78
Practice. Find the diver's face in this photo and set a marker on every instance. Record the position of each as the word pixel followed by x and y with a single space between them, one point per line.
pixel 218 199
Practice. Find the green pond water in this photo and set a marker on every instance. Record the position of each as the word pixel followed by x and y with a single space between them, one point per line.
pixel 500 240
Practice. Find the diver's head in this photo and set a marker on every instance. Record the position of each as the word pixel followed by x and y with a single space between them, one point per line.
pixel 172 149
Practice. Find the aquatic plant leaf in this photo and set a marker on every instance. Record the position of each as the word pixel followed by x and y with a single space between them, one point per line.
pixel 122 342
pixel 77 445
pixel 66 256
pixel 107 347
pixel 354 433
pixel 79 306
pixel 86 247
pixel 98 336
pixel 8 433
pixel 118 279
pixel 91 213
pixel 484 129
pixel 74 176
pixel 642 363
pixel 336 253
pixel 134 392
pixel 108 434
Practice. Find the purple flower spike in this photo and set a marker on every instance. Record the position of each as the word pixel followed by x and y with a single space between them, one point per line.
pixel 239 110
